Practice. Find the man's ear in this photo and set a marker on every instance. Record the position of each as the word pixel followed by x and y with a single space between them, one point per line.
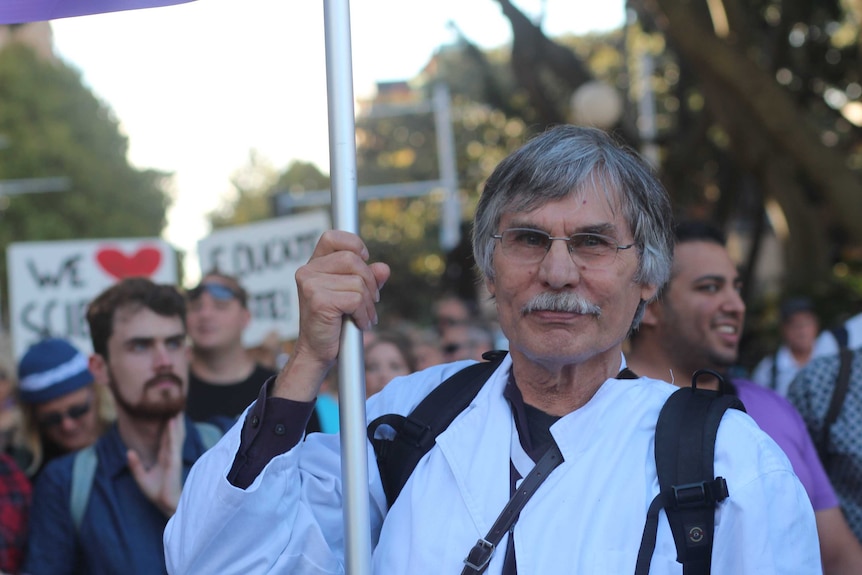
pixel 489 285
pixel 652 313
pixel 648 292
pixel 99 368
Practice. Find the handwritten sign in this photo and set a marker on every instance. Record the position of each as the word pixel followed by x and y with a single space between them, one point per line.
pixel 264 256
pixel 51 283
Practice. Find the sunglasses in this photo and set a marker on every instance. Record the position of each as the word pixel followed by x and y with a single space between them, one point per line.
pixel 218 292
pixel 55 418
pixel 451 348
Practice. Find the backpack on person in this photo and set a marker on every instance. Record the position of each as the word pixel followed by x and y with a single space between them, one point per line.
pixel 684 446
pixel 86 461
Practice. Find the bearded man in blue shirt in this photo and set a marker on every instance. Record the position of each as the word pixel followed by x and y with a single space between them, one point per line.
pixel 103 510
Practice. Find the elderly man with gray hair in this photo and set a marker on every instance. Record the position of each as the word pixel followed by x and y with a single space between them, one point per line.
pixel 573 236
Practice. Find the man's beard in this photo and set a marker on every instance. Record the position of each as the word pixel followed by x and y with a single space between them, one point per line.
pixel 164 407
pixel 723 361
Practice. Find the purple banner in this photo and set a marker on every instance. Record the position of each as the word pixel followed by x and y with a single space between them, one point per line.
pixel 20 11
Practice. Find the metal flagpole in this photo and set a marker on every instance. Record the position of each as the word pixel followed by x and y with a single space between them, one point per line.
pixel 351 372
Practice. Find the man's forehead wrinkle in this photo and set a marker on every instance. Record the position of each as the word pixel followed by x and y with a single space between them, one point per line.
pixel 604 228
pixel 596 188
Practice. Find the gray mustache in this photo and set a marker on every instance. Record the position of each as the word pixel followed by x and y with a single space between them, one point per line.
pixel 564 302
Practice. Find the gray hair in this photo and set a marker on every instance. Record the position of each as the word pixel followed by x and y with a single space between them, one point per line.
pixel 569 160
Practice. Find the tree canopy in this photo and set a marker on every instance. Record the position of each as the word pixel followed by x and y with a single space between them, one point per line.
pixel 756 115
pixel 53 126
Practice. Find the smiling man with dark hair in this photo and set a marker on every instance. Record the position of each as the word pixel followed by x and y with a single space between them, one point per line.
pixel 697 323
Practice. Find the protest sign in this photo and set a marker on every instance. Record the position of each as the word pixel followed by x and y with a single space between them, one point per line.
pixel 51 283
pixel 264 257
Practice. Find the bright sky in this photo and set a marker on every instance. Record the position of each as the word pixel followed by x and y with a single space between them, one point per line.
pixel 197 86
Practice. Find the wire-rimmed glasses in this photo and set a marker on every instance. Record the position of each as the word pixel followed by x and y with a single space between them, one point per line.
pixel 530 246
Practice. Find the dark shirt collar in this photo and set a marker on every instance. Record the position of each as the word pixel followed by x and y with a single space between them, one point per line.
pixel 519 412
pixel 523 417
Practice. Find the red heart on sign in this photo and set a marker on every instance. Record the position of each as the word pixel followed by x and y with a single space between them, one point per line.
pixel 142 263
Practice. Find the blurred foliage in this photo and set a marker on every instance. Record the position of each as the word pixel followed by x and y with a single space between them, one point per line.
pixel 756 105
pixel 404 232
pixel 250 201
pixel 53 126
pixel 254 186
pixel 756 112
pixel 759 114
pixel 403 148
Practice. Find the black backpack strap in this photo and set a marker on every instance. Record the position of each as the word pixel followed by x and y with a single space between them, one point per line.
pixel 689 491
pixel 480 555
pixel 400 442
pixel 836 402
pixel 773 373
pixel 841 335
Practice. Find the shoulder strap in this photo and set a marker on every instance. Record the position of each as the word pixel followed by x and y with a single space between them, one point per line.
pixel 773 372
pixel 83 472
pixel 210 433
pixel 400 442
pixel 480 555
pixel 836 402
pixel 86 461
pixel 841 336
pixel 689 491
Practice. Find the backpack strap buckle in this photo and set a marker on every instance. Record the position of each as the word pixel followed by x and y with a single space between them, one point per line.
pixel 479 556
pixel 414 431
pixel 697 495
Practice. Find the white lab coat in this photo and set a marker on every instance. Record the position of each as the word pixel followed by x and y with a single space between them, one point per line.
pixel 587 517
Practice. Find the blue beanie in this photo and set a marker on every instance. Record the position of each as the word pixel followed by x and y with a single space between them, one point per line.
pixel 50 369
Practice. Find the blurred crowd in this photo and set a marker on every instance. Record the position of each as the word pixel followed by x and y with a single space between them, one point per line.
pixel 52 404
pixel 55 405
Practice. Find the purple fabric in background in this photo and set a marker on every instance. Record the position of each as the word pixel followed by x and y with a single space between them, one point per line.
pixel 780 420
pixel 20 11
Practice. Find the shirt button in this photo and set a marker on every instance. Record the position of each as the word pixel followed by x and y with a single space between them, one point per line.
pixel 279 429
pixel 255 421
